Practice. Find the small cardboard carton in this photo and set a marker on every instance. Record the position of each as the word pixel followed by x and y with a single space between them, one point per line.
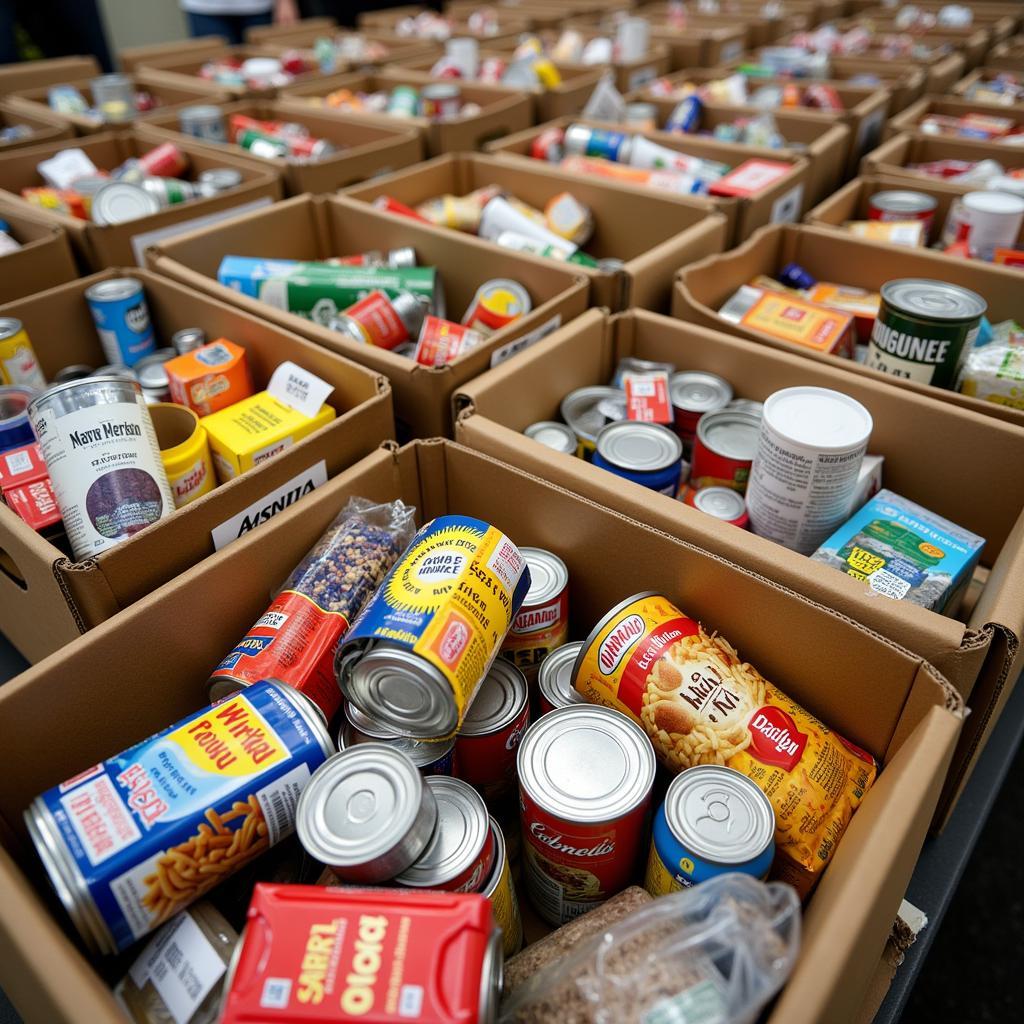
pixel 896 154
pixel 783 200
pixel 501 111
pixel 44 259
pixel 133 58
pixel 653 234
pixel 948 106
pixel 363 149
pixel 45 126
pixel 135 675
pixel 308 228
pixel 979 651
pixel 30 74
pixel 111 245
pixel 46 597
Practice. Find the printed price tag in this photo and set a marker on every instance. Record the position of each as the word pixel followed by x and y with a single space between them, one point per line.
pixel 647 397
pixel 305 392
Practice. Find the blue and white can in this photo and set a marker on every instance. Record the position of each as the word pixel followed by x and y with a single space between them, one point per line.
pixel 582 140
pixel 646 453
pixel 15 429
pixel 119 309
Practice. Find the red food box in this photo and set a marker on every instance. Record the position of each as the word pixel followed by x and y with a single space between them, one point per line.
pixel 26 488
pixel 751 177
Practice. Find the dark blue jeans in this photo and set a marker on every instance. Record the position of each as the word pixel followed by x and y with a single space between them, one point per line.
pixel 231 26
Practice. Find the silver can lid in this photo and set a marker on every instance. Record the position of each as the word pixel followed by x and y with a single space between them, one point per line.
pixel 553 435
pixel 696 391
pixel 363 813
pixel 461 833
pixel 589 409
pixel 499 700
pixel 555 679
pixel 9 326
pixel 719 814
pixel 410 311
pixel 586 763
pixel 577 138
pixel 188 339
pixel 74 372
pixel 422 753
pixel 720 502
pixel 201 112
pixel 366 725
pixel 220 179
pixel 903 201
pixel 933 300
pixel 549 576
pixel 403 257
pixel 114 289
pixel 639 447
pixel 500 855
pixel 120 202
pixel 732 433
pixel 150 371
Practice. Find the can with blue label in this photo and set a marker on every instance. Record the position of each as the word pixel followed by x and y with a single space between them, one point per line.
pixel 646 453
pixel 685 116
pixel 423 644
pixel 136 838
pixel 15 429
pixel 714 820
pixel 119 309
pixel 582 140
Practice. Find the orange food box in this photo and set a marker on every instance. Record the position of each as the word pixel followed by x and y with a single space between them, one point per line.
pixel 210 377
pixel 791 319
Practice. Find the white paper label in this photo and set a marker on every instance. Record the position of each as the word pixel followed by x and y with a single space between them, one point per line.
pixel 18 462
pixel 269 505
pixel 787 207
pixel 305 392
pixel 499 355
pixel 64 167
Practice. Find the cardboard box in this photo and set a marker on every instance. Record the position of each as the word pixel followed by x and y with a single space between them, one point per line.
pixel 703 45
pixel 758 28
pixel 46 127
pixel 500 114
pixel 653 234
pixel 29 74
pixel 947 106
pixel 703 287
pixel 260 34
pixel 1004 16
pixel 981 654
pixel 1007 55
pixel 169 96
pixel 48 598
pixel 135 57
pixel 44 259
pixel 509 30
pixel 783 201
pixel 388 47
pixel 875 693
pixel 894 155
pixel 971 41
pixel 364 148
pixel 979 74
pixel 308 228
pixel 112 245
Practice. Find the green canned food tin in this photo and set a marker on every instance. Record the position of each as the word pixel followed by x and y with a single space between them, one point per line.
pixel 404 101
pixel 260 144
pixel 924 330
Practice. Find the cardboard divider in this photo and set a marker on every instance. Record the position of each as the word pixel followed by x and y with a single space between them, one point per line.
pixel 1007 55
pixel 134 58
pixel 703 287
pixel 45 126
pixel 110 245
pixel 44 259
pixel 64 597
pixel 971 41
pixel 501 112
pixel 984 73
pixel 30 74
pixel 756 28
pixel 875 693
pixel 652 233
pixel 948 106
pixel 896 154
pixel 785 200
pixel 386 48
pixel 307 228
pixel 364 148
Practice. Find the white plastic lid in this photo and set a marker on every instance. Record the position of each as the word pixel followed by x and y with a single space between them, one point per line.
pixel 998 203
pixel 818 418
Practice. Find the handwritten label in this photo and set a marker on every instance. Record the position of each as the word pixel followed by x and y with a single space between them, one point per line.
pixel 305 392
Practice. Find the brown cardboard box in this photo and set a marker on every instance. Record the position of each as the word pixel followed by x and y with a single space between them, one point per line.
pixel 384 48
pixel 48 598
pixel 169 96
pixel 363 148
pixel 894 155
pixel 653 234
pixel 981 654
pixel 44 259
pixel 46 127
pixel 260 34
pixel 136 57
pixel 1007 55
pixel 701 46
pixel 29 74
pixel 875 693
pixel 116 244
pixel 388 16
pixel 785 200
pixel 501 112
pixel 828 255
pixel 1001 17
pixel 308 228
pixel 977 76
pixel 758 28
pixel 947 106
pixel 973 41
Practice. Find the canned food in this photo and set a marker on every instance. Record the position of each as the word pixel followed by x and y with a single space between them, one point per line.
pixel 485 747
pixel 693 394
pixel 15 426
pixel 165 161
pixel 924 330
pixel 218 179
pixel 121 201
pixel 460 854
pixel 125 842
pixel 555 679
pixel 713 820
pixel 582 140
pixel 496 304
pixel 903 205
pixel 724 449
pixel 641 117
pixel 119 309
pixel 18 362
pixel 441 342
pixel 721 502
pixel 440 100
pixel 76 371
pixel 427 637
pixel 429 758
pixel 169 191
pixel 549 145
pixel 382 321
pixel 188 339
pixel 685 115
pixel 151 373
pixel 587 411
pixel 366 813
pixel 543 622
pixel 203 121
pixel 501 891
pixel 553 435
pixel 582 830
pixel 184 451
pixel 646 453
pixel 404 101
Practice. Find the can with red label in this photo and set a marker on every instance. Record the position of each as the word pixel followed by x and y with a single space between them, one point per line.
pixel 381 320
pixel 496 304
pixel 543 622
pixel 724 449
pixel 721 502
pixel 165 161
pixel 582 830
pixel 384 956
pixel 549 145
pixel 903 205
pixel 441 341
pixel 485 748
pixel 693 394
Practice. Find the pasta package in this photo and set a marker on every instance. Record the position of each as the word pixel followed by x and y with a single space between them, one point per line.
pixel 700 703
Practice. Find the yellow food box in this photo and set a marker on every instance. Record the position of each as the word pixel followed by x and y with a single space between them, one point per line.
pixel 255 429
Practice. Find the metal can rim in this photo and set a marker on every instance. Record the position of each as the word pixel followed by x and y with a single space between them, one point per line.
pixel 515 694
pixel 672 446
pixel 712 419
pixel 557 573
pixel 548 675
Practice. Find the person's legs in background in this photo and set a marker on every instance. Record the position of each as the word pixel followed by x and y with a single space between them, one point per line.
pixel 60 28
pixel 231 26
pixel 8 49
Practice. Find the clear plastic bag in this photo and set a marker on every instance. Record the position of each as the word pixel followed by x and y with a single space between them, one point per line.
pixel 713 954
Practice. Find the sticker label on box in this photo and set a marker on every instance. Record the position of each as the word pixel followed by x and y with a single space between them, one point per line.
pixel 299 389
pixel 499 355
pixel 786 208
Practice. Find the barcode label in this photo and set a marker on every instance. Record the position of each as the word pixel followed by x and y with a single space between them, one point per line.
pixel 276 992
pixel 410 1002
pixel 278 802
pixel 18 462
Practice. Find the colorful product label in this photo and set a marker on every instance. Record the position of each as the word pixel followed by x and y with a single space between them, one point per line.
pixel 930 353
pixel 124 328
pixel 536 631
pixel 488 762
pixel 506 910
pixel 18 363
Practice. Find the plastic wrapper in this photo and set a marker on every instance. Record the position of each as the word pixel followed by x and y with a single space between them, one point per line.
pixel 995 372
pixel 716 952
pixel 606 103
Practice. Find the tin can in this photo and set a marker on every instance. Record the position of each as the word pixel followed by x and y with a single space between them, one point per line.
pixel 169 191
pixel 460 854
pixel 588 410
pixel 903 204
pixel 215 180
pixel 582 831
pixel 426 639
pixel 555 680
pixel 496 304
pixel 203 121
pixel 384 956
pixel 582 140
pixel 441 342
pixel 15 426
pixel 646 453
pixel 693 394
pixel 487 741
pixel 76 371
pixel 804 475
pixel 641 117
pixel 119 309
pixel 258 143
pixel 120 202
pixel 543 622
pixel 429 758
pixel 124 842
pixel 440 100
pixel 188 339
pixel 382 321
pixel 549 145
pixel 554 435
pixel 404 101
pixel 724 449
pixel 184 451
pixel 165 161
pixel 151 373
pixel 18 362
pixel 713 820
pixel 685 116
pixel 101 451
pixel 924 330
pixel 501 891
pixel 721 502
pixel 367 814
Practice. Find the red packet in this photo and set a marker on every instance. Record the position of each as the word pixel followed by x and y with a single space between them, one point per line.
pixel 647 397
